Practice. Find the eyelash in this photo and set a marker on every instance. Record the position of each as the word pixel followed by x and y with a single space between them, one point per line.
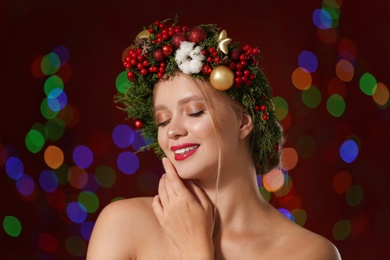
pixel 197 114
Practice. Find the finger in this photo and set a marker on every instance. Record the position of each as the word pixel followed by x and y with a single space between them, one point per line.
pixel 174 179
pixel 168 188
pixel 162 192
pixel 157 207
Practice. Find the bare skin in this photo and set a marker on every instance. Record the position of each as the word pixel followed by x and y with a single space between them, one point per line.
pixel 178 223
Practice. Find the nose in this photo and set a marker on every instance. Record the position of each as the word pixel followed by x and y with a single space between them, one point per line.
pixel 176 129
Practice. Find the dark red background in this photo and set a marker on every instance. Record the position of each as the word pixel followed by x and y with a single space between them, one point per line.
pixel 96 33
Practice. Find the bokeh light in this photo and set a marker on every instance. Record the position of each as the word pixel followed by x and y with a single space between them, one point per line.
pixel 62 53
pixel 89 200
pixel 289 158
pixel 322 19
pixel 354 195
pixel 342 229
pixel 281 107
pixel 86 229
pixel 82 156
pixel 381 96
pixel 311 97
pixel 349 151
pixel 286 213
pixel 77 177
pixel 12 226
pixel 368 84
pixel 274 180
pixel 123 136
pixel 53 156
pixel 34 140
pixel 308 61
pixel 128 162
pixel 336 105
pixel 52 83
pixel 76 212
pixel 345 70
pixel 301 78
pixel 55 128
pixel 14 167
pixel 48 181
pixel 300 216
pixel 105 176
pixel 50 64
pixel 122 83
pixel 25 185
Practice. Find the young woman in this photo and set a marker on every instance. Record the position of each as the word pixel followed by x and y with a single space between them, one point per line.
pixel 214 139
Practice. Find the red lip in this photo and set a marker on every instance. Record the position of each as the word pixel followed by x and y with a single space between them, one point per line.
pixel 179 157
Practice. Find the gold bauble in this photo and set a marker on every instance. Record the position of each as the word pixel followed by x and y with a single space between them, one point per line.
pixel 143 35
pixel 222 78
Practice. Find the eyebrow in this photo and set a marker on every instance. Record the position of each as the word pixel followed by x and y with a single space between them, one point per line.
pixel 182 101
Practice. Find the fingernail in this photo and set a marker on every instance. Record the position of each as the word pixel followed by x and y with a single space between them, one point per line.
pixel 164 160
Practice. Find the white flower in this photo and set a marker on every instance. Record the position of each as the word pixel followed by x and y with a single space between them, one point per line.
pixel 189 59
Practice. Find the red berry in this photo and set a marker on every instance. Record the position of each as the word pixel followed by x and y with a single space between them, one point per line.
pixel 265 117
pixel 145 63
pixel 257 108
pixel 140 57
pixel 247 73
pixel 150 30
pixel 263 108
pixel 130 74
pixel 144 72
pixel 139 124
pixel 160 75
pixel 206 69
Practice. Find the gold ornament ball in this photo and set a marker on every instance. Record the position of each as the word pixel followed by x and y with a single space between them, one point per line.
pixel 143 35
pixel 222 78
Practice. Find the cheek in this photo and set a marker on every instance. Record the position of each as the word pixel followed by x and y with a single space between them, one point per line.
pixel 162 139
pixel 203 129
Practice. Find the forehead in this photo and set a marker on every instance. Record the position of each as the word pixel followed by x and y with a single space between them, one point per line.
pixel 178 87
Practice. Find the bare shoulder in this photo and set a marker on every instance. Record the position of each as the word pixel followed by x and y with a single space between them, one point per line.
pixel 120 228
pixel 311 245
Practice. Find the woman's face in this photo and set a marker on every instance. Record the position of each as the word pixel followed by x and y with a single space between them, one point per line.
pixel 186 132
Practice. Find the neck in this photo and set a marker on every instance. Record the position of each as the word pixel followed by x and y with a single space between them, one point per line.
pixel 236 198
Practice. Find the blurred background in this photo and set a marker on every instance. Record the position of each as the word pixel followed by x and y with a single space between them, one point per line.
pixel 66 151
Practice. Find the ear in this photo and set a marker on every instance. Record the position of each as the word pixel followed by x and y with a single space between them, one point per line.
pixel 246 126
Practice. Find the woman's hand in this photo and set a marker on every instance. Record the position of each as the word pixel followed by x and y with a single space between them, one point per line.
pixel 185 213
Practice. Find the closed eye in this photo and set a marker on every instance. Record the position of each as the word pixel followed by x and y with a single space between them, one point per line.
pixel 197 114
pixel 164 123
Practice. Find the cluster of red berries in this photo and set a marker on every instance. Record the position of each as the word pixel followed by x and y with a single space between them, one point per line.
pixel 164 32
pixel 135 59
pixel 262 109
pixel 239 64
